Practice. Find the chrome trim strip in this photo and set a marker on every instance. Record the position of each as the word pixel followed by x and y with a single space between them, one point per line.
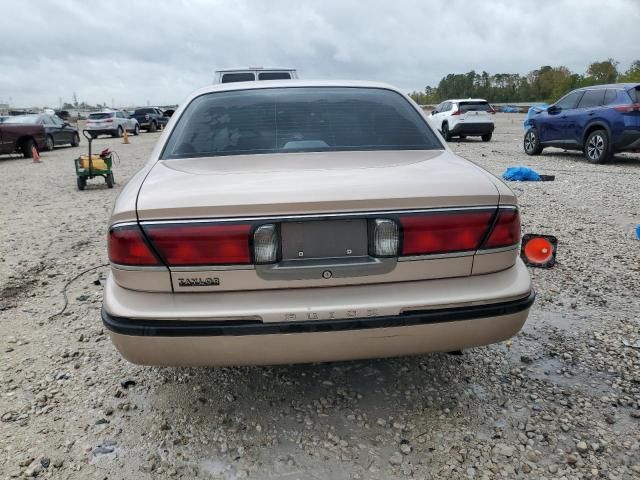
pixel 365 214
pixel 212 268
pixel 435 256
pixel 497 250
pixel 123 224
pixel 147 268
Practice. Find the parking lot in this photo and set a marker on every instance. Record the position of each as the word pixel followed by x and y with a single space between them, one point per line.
pixel 561 399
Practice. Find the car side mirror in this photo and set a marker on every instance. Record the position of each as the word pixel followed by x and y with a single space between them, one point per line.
pixel 433 112
pixel 553 109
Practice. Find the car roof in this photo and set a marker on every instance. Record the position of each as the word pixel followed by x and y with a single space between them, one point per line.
pixel 466 100
pixel 234 86
pixel 625 86
pixel 248 69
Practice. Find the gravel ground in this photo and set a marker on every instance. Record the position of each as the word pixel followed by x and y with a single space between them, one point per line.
pixel 560 400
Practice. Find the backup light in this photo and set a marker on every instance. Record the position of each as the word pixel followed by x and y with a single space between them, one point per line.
pixel 265 243
pixel 383 238
pixel 539 250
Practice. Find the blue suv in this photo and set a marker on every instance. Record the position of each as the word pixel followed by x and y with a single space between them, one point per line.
pixel 598 120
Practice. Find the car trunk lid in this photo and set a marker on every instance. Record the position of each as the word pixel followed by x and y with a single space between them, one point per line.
pixel 320 204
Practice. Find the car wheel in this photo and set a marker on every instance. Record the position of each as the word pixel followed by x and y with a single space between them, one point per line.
pixel 487 137
pixel 597 148
pixel 110 180
pixel 27 147
pixel 82 182
pixel 153 127
pixel 76 140
pixel 531 142
pixel 136 130
pixel 119 132
pixel 49 143
pixel 445 132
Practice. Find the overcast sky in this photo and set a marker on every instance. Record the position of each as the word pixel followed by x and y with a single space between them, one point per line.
pixel 134 52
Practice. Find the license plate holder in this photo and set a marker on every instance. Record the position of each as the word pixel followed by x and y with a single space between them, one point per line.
pixel 318 239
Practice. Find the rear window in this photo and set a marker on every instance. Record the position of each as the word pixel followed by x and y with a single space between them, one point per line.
pixel 298 119
pixel 22 119
pixel 142 111
pixel 634 93
pixel 238 77
pixel 100 116
pixel 465 107
pixel 274 76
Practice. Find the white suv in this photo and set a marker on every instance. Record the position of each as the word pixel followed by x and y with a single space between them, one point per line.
pixel 464 118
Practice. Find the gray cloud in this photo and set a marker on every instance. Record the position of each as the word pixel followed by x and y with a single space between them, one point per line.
pixel 134 52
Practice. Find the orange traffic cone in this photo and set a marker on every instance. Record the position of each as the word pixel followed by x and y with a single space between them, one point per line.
pixel 35 155
pixel 125 139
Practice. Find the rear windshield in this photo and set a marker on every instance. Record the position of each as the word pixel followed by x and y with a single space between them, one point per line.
pixel 141 111
pixel 238 77
pixel 298 119
pixel 100 116
pixel 465 107
pixel 274 76
pixel 23 119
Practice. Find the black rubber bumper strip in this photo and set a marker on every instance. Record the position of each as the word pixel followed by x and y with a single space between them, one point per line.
pixel 234 328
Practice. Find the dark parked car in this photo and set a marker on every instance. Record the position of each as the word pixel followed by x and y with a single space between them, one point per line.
pixel 21 138
pixel 57 132
pixel 150 118
pixel 598 120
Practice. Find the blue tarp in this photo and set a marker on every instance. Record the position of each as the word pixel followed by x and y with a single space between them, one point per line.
pixel 510 109
pixel 521 174
pixel 532 111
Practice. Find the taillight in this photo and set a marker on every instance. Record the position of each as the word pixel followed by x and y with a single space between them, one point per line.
pixel 506 230
pixel 492 110
pixel 633 107
pixel 444 232
pixel 383 238
pixel 127 246
pixel 457 112
pixel 265 244
pixel 193 244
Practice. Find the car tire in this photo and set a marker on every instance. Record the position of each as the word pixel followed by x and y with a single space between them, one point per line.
pixel 153 127
pixel 109 179
pixel 118 133
pixel 136 129
pixel 27 147
pixel 49 143
pixel 76 140
pixel 446 134
pixel 597 148
pixel 531 142
pixel 487 137
pixel 82 182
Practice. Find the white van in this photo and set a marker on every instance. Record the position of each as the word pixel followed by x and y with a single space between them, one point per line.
pixel 254 73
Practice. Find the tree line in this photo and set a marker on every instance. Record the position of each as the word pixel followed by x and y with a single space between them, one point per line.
pixel 545 84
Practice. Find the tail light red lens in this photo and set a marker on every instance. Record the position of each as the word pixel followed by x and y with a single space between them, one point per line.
pixel 127 246
pixel 506 231
pixel 634 107
pixel 190 245
pixel 457 112
pixel 444 232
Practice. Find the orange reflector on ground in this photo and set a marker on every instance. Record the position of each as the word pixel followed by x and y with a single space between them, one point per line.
pixel 539 250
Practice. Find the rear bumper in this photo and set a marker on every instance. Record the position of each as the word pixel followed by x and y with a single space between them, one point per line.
pixel 628 140
pixel 379 321
pixel 464 128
